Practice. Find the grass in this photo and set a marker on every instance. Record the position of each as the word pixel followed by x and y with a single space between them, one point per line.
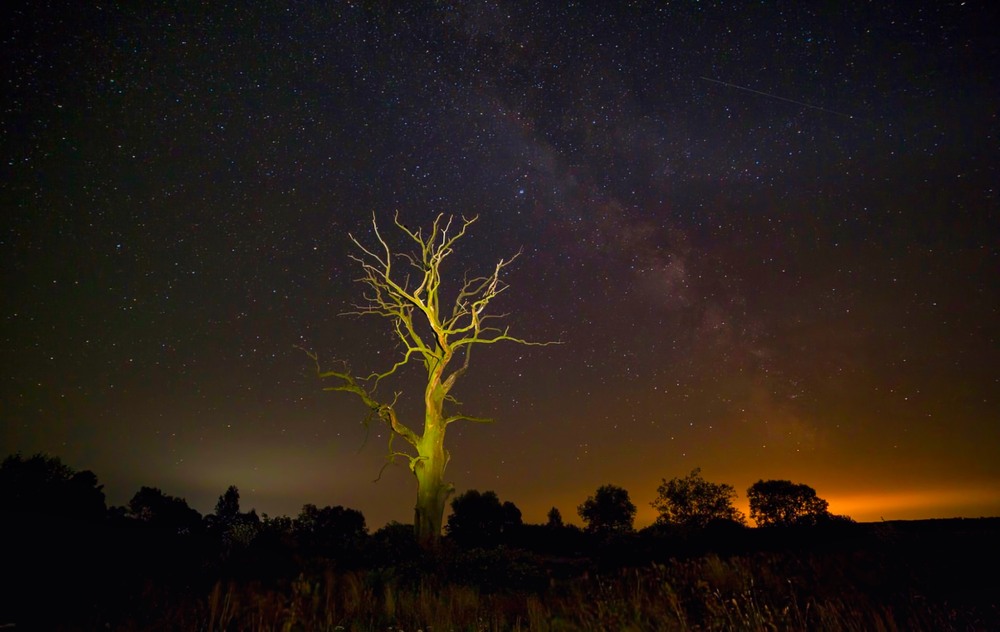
pixel 758 592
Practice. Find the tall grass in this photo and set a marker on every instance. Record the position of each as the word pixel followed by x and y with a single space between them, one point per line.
pixel 761 592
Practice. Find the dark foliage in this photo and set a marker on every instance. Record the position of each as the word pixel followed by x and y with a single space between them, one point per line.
pixel 695 503
pixel 608 512
pixel 395 543
pixel 332 533
pixel 554 518
pixel 480 520
pixel 157 510
pixel 778 503
pixel 53 526
pixel 494 569
pixel 42 489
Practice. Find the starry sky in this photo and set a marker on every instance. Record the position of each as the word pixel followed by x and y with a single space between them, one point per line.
pixel 765 233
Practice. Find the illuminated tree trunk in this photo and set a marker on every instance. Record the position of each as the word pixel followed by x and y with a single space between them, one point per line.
pixel 432 460
pixel 432 490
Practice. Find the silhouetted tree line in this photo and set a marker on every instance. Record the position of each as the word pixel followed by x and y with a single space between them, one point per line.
pixel 57 527
pixel 68 558
pixel 41 491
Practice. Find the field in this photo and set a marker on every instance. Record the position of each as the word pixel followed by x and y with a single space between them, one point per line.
pixel 927 575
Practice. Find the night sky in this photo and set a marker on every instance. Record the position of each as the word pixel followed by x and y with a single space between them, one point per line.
pixel 767 235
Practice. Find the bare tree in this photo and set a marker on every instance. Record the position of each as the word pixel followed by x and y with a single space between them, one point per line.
pixel 406 288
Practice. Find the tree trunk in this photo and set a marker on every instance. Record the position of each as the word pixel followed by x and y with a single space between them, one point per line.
pixel 432 494
pixel 432 491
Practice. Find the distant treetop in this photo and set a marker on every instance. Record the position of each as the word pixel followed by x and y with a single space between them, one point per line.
pixel 609 511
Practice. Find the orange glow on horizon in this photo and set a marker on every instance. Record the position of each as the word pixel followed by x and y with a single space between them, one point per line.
pixel 909 504
pixel 917 504
pixel 874 506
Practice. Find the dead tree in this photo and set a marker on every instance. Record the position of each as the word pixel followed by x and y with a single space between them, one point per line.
pixel 406 288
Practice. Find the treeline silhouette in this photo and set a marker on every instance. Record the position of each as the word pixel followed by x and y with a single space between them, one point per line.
pixel 72 562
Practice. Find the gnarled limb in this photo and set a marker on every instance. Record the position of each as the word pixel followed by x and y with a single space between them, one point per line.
pixel 385 412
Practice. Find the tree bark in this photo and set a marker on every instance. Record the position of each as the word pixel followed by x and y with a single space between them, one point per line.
pixel 432 490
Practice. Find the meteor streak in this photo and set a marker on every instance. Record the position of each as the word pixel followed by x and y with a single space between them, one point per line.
pixel 774 96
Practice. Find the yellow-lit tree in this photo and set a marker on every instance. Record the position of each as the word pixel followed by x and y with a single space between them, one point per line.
pixel 406 289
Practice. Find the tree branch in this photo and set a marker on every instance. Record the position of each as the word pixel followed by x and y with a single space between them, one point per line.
pixel 478 420
pixel 385 412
